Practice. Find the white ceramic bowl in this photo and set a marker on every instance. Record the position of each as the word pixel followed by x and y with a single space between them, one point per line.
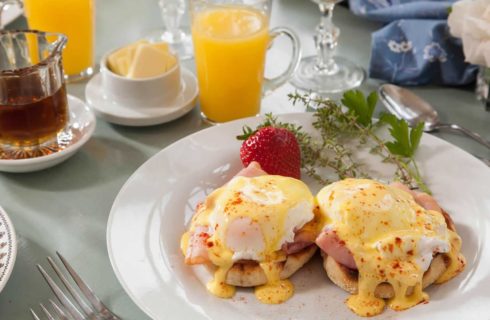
pixel 154 91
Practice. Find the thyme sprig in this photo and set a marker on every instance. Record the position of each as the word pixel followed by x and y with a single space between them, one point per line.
pixel 340 124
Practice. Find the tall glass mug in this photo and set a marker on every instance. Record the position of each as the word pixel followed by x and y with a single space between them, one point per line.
pixel 75 19
pixel 230 39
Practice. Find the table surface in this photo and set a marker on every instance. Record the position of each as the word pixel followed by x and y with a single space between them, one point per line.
pixel 66 208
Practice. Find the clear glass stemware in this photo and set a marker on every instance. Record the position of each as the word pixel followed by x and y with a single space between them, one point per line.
pixel 172 12
pixel 325 72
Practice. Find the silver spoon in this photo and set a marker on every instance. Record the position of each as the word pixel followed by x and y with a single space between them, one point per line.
pixel 405 104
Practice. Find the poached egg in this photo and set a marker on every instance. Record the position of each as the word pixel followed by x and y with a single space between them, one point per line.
pixel 251 218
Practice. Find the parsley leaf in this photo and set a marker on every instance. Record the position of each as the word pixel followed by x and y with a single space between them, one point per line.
pixel 361 107
pixel 406 141
pixel 416 135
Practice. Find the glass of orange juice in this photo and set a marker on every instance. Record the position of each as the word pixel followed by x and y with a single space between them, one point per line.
pixel 230 39
pixel 75 19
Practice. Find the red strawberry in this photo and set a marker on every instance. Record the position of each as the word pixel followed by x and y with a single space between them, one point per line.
pixel 275 149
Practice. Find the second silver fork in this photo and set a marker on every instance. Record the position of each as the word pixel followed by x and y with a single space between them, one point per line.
pixel 80 310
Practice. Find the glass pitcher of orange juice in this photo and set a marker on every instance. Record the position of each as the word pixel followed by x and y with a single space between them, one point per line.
pixel 230 39
pixel 75 19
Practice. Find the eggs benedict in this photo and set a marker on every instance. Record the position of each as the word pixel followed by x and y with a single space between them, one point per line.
pixel 385 242
pixel 255 231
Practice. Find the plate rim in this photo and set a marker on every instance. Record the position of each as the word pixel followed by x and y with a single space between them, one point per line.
pixel 13 243
pixel 126 184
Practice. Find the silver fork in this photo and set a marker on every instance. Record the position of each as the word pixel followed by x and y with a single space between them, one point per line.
pixel 58 311
pixel 94 310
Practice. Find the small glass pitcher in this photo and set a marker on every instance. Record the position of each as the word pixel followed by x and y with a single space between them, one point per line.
pixel 33 100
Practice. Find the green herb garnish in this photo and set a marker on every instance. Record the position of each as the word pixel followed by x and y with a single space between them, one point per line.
pixel 361 107
pixel 338 128
pixel 406 141
pixel 404 145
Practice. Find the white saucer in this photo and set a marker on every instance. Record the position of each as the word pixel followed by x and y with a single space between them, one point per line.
pixel 81 127
pixel 8 248
pixel 139 116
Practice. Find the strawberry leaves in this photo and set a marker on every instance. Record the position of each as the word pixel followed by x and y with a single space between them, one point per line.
pixel 247 133
pixel 405 141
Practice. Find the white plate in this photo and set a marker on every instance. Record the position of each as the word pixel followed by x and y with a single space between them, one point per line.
pixel 139 116
pixel 156 203
pixel 82 126
pixel 10 13
pixel 8 248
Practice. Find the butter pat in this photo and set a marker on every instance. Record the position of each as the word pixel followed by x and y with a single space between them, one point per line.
pixel 120 61
pixel 142 60
pixel 150 61
pixel 161 46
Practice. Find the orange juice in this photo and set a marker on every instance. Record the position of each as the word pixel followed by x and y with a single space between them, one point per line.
pixel 74 18
pixel 230 44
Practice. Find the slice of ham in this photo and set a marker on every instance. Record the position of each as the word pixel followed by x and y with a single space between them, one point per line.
pixel 401 186
pixel 423 199
pixel 331 244
pixel 197 250
pixel 427 202
pixel 302 239
pixel 252 170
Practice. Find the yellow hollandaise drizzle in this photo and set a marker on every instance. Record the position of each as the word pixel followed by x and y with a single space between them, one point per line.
pixel 218 285
pixel 223 261
pixel 184 242
pixel 403 299
pixel 275 290
pixel 365 303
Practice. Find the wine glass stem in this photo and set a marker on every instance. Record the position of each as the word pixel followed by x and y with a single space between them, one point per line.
pixel 326 40
pixel 172 12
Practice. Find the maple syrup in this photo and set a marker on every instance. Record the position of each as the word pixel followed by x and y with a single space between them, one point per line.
pixel 28 120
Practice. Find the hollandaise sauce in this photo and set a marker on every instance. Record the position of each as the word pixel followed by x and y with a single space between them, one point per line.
pixel 275 290
pixel 218 285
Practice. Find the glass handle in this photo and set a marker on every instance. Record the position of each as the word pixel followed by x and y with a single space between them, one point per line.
pixel 5 4
pixel 272 84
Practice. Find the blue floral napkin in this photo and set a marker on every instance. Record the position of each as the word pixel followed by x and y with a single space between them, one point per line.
pixel 415 47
